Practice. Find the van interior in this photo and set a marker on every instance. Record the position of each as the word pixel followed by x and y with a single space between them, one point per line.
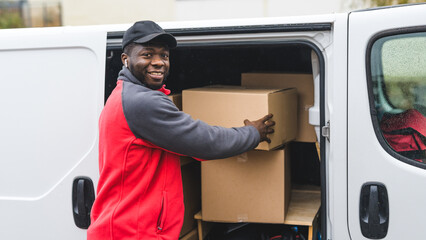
pixel 205 64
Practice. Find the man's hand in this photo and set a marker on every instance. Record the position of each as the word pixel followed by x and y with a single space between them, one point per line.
pixel 262 125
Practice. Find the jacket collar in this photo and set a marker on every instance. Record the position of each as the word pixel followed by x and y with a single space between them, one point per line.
pixel 127 76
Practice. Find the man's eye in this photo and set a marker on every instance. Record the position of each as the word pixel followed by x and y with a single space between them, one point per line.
pixel 165 55
pixel 146 54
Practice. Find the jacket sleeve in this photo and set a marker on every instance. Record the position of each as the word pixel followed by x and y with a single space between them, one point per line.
pixel 153 116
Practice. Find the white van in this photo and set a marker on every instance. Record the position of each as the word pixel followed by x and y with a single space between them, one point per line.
pixel 54 82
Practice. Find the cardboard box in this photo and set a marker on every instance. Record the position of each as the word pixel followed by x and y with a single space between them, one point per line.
pixel 252 187
pixel 191 180
pixel 228 106
pixel 305 89
pixel 176 99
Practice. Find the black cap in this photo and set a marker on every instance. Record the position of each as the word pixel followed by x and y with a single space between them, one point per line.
pixel 145 31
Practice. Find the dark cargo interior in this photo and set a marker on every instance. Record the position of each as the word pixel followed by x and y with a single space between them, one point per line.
pixel 196 66
pixel 209 64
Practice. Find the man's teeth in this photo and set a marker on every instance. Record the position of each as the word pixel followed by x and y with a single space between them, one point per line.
pixel 156 73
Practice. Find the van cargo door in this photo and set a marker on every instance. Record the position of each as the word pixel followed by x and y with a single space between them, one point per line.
pixel 386 123
pixel 51 96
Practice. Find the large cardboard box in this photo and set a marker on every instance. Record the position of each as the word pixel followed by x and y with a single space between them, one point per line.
pixel 252 187
pixel 228 106
pixel 305 89
pixel 191 180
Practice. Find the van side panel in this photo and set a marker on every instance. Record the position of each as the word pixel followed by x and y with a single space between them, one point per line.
pixel 50 100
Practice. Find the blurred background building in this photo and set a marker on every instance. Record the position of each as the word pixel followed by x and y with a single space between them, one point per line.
pixel 44 13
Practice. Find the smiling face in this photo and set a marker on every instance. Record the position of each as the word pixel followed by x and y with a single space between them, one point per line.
pixel 149 63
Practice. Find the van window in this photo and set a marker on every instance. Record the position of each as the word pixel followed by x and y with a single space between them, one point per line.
pixel 398 81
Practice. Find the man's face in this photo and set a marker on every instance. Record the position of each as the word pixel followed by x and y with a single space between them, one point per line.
pixel 150 64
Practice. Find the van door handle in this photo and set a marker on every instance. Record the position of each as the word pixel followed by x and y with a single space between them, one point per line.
pixel 374 210
pixel 83 196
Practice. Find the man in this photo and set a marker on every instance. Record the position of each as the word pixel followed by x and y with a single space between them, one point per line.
pixel 142 134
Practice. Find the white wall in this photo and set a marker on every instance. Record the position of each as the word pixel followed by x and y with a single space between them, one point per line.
pixel 93 12
pixel 219 9
pixel 82 12
pixel 225 9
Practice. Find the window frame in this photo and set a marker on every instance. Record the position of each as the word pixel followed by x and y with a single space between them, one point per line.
pixel 370 85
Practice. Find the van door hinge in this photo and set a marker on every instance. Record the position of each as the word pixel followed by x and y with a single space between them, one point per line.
pixel 325 132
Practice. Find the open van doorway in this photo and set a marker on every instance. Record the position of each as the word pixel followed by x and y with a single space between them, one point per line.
pixel 199 63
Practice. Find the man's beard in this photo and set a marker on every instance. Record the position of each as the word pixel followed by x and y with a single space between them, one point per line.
pixel 142 80
pixel 156 87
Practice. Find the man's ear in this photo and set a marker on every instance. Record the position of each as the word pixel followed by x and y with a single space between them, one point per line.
pixel 124 60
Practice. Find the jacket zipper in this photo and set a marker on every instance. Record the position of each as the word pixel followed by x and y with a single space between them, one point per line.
pixel 163 211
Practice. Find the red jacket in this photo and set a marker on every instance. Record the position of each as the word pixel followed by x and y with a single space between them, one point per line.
pixel 139 193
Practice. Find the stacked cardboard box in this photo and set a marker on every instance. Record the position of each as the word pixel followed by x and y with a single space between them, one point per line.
pixel 191 178
pixel 254 186
pixel 176 99
pixel 228 106
pixel 305 90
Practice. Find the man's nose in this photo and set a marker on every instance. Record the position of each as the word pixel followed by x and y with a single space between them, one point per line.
pixel 157 61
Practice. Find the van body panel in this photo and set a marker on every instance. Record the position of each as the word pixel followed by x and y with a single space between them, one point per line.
pixel 336 117
pixel 367 159
pixel 51 98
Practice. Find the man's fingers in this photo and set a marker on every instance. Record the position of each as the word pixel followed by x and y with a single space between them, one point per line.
pixel 266 117
pixel 263 126
pixel 270 123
